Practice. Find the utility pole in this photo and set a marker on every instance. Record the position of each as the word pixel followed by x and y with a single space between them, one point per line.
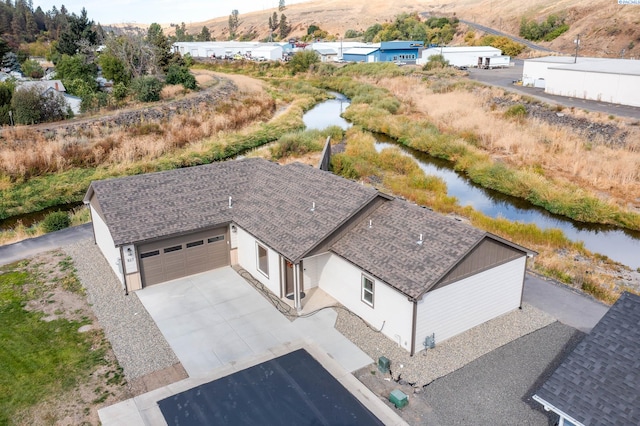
pixel 577 42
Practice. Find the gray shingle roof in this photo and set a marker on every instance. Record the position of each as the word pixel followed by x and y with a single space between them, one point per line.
pixel 270 201
pixel 599 381
pixel 389 249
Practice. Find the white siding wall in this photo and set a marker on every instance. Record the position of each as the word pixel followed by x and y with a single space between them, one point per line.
pixel 311 269
pixel 613 88
pixel 341 280
pixel 105 243
pixel 467 303
pixel 534 71
pixel 248 259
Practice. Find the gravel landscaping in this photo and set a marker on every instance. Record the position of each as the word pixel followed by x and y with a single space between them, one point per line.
pixel 448 356
pixel 136 340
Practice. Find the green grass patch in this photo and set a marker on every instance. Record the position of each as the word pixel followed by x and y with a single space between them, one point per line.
pixel 37 358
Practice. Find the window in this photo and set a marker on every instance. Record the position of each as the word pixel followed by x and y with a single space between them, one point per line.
pixel 174 248
pixel 215 239
pixel 367 290
pixel 149 254
pixel 263 260
pixel 195 244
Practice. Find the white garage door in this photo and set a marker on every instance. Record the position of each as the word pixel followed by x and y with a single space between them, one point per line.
pixel 185 255
pixel 457 307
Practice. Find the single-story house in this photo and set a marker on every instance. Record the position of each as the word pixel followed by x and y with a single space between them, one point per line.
pixel 327 55
pixel 402 268
pixel 598 383
pixel 404 51
pixel 57 88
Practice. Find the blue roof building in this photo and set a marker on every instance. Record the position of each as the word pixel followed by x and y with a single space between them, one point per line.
pixel 400 51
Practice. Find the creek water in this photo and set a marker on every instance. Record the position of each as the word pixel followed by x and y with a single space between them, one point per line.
pixel 620 245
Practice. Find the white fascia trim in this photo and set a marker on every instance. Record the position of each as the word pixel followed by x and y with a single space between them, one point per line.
pixel 550 407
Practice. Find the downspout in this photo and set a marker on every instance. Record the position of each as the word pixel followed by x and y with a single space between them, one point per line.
pixel 124 272
pixel 524 276
pixel 413 327
pixel 296 287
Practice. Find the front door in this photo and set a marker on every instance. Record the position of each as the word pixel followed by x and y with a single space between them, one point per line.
pixel 288 278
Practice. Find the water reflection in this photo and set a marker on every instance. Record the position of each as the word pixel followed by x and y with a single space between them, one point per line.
pixel 620 245
pixel 328 113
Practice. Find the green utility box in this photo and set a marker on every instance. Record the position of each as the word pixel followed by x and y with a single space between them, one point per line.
pixel 398 398
pixel 384 364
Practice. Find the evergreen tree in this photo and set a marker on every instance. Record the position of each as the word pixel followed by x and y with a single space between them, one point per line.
pixel 80 31
pixel 205 34
pixel 284 27
pixel 233 23
pixel 281 6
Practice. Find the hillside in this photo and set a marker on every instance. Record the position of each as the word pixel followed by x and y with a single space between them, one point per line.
pixel 605 27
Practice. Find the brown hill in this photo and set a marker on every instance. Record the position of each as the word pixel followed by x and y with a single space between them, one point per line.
pixel 605 27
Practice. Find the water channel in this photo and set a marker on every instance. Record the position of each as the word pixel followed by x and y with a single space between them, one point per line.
pixel 620 245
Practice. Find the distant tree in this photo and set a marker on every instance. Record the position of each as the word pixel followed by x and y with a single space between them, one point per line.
pixel 281 6
pixel 285 28
pixel 32 69
pixel 10 62
pixel 77 74
pixel 178 74
pixel 79 32
pixel 371 32
pixel 353 34
pixel 161 47
pixel 114 68
pixel 135 51
pixel 147 88
pixel 31 106
pixel 303 60
pixel 273 22
pixel 505 44
pixel 312 29
pixel 205 34
pixel 436 61
pixel 233 23
pixel 6 93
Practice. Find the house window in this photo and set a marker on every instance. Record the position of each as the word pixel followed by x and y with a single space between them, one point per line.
pixel 150 254
pixel 172 249
pixel 195 244
pixel 367 290
pixel 263 260
pixel 215 239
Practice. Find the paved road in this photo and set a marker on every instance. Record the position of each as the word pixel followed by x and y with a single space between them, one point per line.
pixel 23 249
pixel 488 30
pixel 504 77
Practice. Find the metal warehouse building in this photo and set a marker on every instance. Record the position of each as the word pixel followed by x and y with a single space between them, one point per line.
pixel 615 81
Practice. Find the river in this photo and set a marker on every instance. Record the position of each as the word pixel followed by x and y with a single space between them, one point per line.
pixel 619 245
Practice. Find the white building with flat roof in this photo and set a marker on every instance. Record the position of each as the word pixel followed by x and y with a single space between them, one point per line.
pixel 615 81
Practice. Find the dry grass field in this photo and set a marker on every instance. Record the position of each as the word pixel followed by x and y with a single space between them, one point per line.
pixel 605 27
pixel 612 171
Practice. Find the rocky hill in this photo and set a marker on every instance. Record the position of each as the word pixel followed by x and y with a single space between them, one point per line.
pixel 605 27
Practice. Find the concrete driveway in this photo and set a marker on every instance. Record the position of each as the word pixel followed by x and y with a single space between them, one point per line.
pixel 217 318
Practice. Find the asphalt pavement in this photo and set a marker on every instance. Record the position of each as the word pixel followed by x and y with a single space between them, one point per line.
pixel 21 250
pixel 505 77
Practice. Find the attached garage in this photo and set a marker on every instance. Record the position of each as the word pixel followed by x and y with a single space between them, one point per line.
pixel 185 255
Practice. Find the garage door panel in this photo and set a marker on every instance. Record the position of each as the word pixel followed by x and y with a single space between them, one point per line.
pixel 185 255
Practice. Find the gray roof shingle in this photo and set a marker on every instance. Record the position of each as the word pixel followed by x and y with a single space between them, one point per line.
pixel 389 249
pixel 270 201
pixel 599 381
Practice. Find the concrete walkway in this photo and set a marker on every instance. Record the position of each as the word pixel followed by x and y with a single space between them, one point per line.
pixel 216 321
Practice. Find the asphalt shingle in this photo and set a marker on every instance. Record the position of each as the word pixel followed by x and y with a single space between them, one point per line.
pixel 599 382
pixel 389 249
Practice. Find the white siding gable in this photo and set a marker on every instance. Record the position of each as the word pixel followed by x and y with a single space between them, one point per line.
pixel 457 307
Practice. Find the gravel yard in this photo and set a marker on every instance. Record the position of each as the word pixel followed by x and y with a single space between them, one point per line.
pixel 447 356
pixel 136 340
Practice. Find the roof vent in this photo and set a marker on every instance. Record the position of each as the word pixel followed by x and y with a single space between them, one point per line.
pixel 370 224
pixel 420 241
pixel 313 206
pixel 230 204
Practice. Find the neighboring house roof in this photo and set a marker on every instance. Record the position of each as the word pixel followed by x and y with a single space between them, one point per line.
pixel 599 381
pixel 294 209
pixel 326 52
pixel 44 85
pixel 389 249
pixel 361 51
